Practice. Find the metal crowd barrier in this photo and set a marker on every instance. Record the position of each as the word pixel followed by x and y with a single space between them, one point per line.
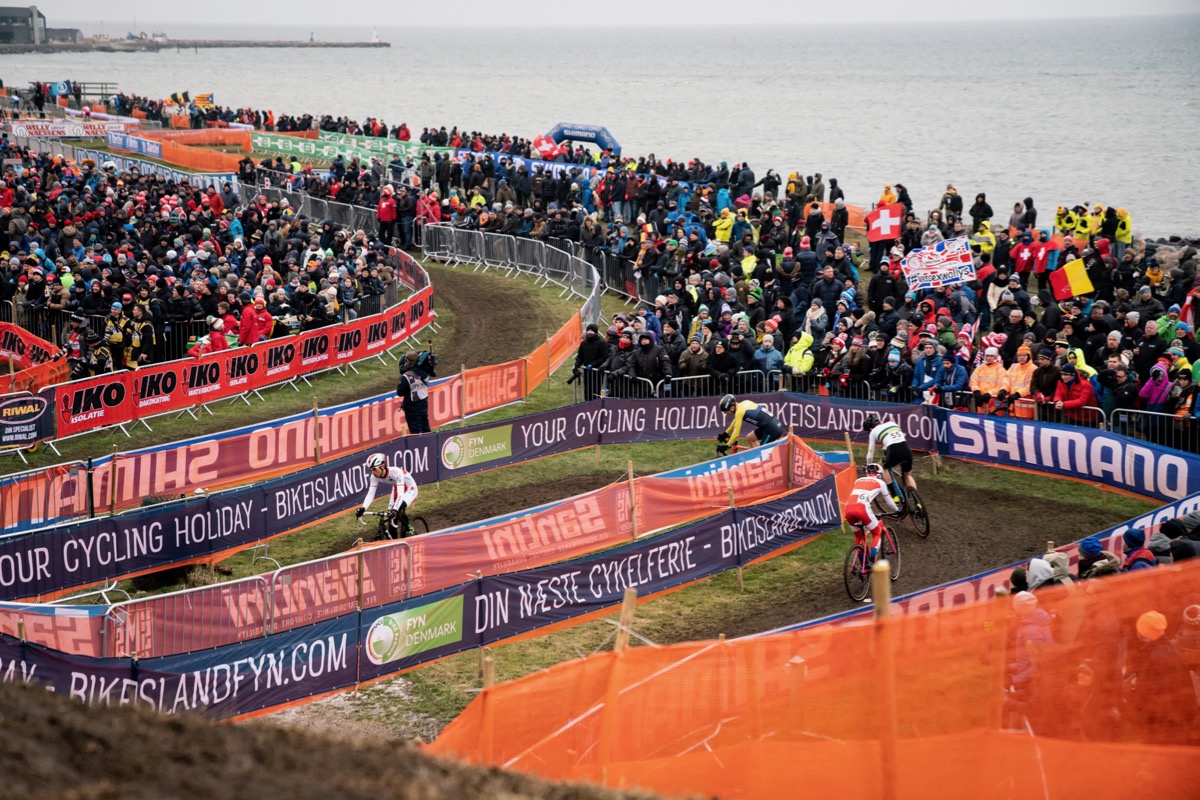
pixel 1156 427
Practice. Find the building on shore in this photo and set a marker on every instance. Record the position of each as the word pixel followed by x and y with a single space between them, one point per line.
pixel 27 25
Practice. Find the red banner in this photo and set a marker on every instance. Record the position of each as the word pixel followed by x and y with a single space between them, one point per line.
pixel 92 403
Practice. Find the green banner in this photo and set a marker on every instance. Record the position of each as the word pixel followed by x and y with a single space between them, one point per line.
pixel 379 145
pixel 469 449
pixel 396 636
pixel 264 142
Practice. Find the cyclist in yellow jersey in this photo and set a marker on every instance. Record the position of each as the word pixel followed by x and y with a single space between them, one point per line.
pixel 767 428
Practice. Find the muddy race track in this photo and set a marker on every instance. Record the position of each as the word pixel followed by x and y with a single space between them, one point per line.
pixel 54 748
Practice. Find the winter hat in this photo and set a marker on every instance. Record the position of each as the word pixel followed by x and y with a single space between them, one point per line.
pixel 1133 317
pixel 756 294
pixel 1181 328
pixel 772 324
pixel 992 351
pixel 1024 603
pixel 1172 529
pixel 857 341
pixel 1176 352
pixel 964 334
pixel 117 306
pixel 1091 546
pixel 805 243
pixel 840 340
pixel 1174 308
pixel 1151 626
pixel 897 343
pixel 695 338
pixel 1068 369
pixel 894 358
pixel 787 252
pixel 848 297
pixel 1134 538
pixel 1046 352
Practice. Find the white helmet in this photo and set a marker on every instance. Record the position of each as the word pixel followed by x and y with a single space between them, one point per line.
pixel 376 460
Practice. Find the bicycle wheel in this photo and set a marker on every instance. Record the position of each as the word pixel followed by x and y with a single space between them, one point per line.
pixel 889 548
pixel 419 526
pixel 856 573
pixel 918 515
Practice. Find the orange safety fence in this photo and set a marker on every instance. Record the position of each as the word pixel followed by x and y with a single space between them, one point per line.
pixel 180 121
pixel 137 113
pixel 489 387
pixel 1080 691
pixel 855 213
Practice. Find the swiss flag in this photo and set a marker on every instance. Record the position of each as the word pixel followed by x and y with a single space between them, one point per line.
pixel 546 147
pixel 885 222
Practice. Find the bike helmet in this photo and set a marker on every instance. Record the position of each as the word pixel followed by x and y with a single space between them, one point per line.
pixel 874 471
pixel 869 423
pixel 376 460
pixel 727 402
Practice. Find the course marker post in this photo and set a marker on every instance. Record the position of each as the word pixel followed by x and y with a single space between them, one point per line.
pixel 316 429
pixel 112 483
pixel 632 500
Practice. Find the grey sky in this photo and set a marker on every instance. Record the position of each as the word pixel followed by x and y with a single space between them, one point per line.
pixel 390 13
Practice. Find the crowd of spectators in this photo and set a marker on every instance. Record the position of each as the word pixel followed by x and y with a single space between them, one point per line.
pixel 128 269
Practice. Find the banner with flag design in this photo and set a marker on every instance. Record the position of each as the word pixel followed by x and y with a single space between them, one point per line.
pixel 885 222
pixel 943 264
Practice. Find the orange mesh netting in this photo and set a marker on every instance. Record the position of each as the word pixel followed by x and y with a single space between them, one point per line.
pixel 1047 695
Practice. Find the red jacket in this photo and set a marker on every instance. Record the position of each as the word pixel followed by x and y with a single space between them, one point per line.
pixel 247 327
pixel 387 209
pixel 1074 399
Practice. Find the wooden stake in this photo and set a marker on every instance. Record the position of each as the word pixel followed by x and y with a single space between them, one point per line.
pixel 489 671
pixel 462 371
pixel 21 629
pixel 632 501
pixel 790 469
pixel 596 464
pixel 1049 547
pixel 881 591
pixel 12 368
pixel 316 429
pixel 112 483
pixel 741 582
pixel 850 450
pixel 627 607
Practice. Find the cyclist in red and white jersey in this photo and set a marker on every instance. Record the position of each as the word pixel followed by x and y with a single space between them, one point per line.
pixel 403 490
pixel 860 513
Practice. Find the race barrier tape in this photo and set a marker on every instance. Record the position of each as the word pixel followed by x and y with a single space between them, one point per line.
pixel 361 646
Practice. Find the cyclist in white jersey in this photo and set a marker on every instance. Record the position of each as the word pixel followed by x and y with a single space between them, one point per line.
pixel 403 491
pixel 890 439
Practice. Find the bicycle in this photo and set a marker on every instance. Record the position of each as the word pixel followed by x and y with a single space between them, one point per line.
pixel 910 504
pixel 856 569
pixel 388 530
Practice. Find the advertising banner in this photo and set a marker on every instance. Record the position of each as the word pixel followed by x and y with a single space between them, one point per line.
pixel 129 164
pixel 91 403
pixel 25 349
pixel 379 145
pixel 135 144
pixel 946 263
pixel 61 129
pixel 26 419
pixel 1083 453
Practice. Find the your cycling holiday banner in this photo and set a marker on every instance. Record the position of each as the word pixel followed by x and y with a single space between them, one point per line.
pixel 337 653
pixel 84 553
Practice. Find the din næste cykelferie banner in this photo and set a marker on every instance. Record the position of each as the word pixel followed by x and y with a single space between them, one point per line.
pixel 359 646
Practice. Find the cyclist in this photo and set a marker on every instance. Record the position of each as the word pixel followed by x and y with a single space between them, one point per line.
pixel 767 427
pixel 404 492
pixel 859 511
pixel 896 450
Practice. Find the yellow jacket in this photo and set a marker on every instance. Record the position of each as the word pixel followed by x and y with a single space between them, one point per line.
pixel 888 197
pixel 1124 227
pixel 1065 221
pixel 799 357
pixel 723 226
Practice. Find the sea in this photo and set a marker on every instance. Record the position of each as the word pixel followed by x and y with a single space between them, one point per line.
pixel 1069 111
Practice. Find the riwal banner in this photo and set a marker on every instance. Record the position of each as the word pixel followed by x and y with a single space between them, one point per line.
pixel 64 129
pixel 355 647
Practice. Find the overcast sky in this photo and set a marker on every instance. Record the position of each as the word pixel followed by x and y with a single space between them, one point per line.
pixel 389 13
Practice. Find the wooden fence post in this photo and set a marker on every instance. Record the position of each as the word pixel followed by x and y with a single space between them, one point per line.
pixel 462 371
pixel 850 450
pixel 881 595
pixel 316 429
pixel 112 483
pixel 632 501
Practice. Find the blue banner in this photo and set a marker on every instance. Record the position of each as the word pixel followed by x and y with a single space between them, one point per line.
pixel 269 671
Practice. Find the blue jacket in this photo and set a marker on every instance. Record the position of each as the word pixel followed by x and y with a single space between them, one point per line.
pixel 955 380
pixel 723 201
pixel 768 360
pixel 927 372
